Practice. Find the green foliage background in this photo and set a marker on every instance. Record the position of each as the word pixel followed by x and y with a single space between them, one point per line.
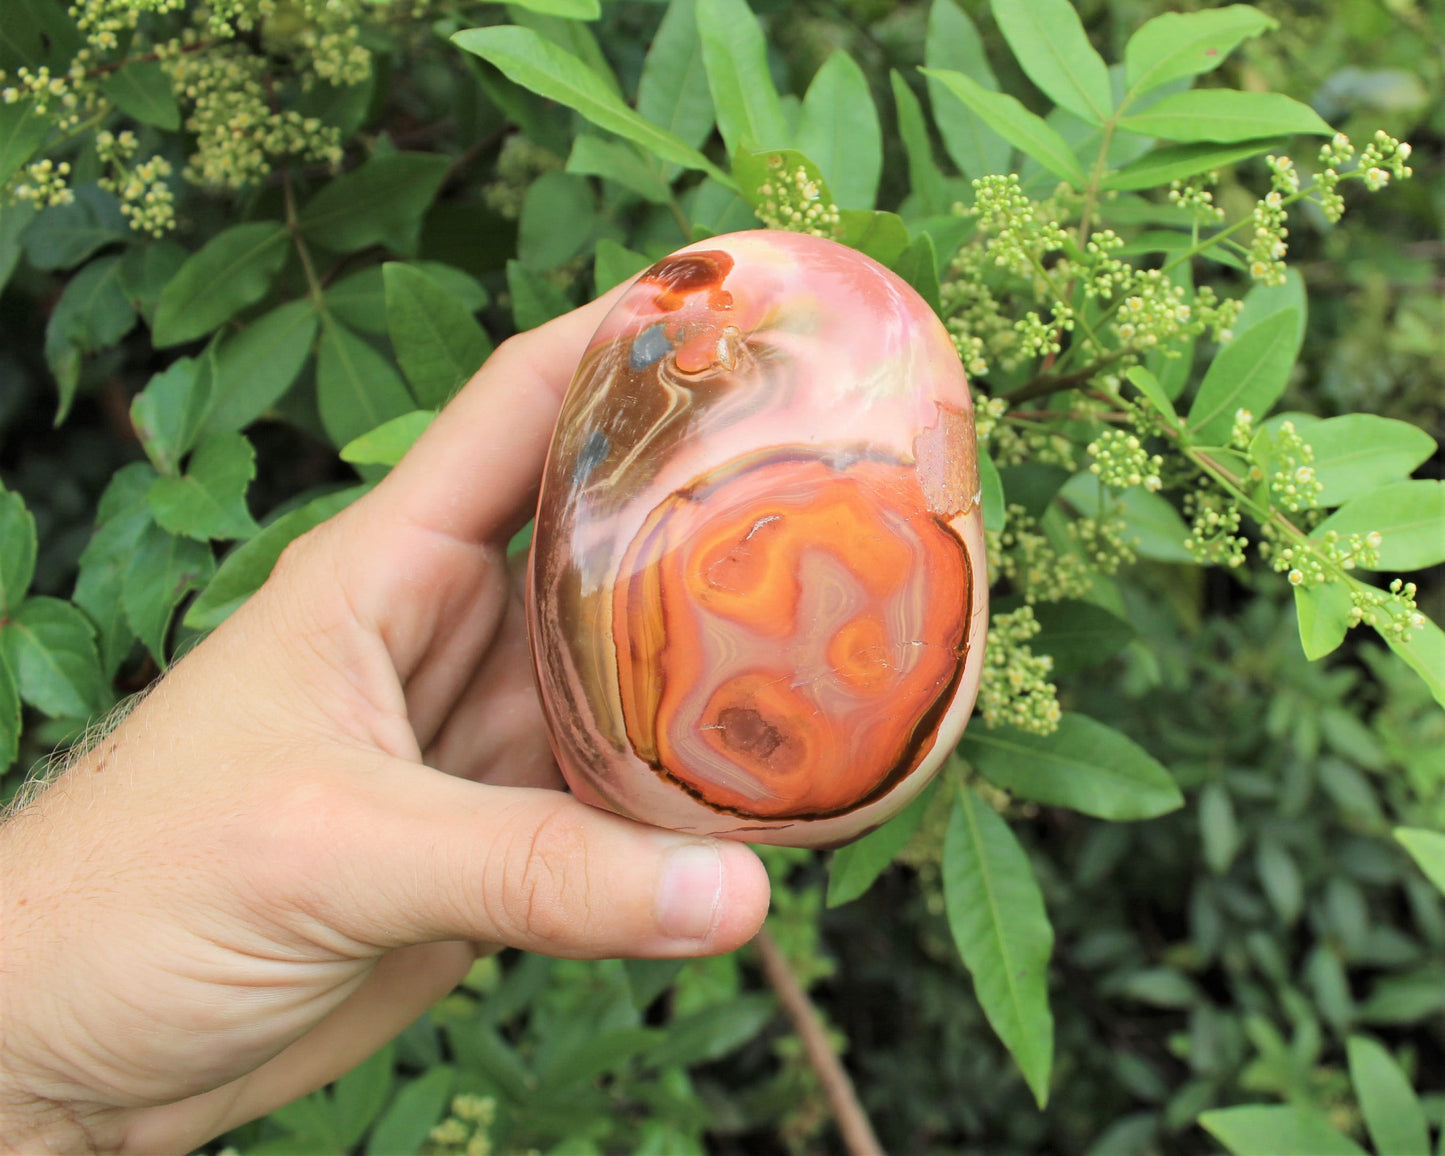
pixel 1179 888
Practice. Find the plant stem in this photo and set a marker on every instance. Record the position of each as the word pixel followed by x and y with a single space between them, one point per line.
pixel 293 225
pixel 853 1124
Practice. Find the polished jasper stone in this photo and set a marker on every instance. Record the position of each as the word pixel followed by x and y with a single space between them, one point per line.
pixel 758 595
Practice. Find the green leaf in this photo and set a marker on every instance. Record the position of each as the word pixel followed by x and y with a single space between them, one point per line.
pixel 234 269
pixel 1360 452
pixel 918 265
pixel 839 130
pixel 620 161
pixel 537 64
pixel 1218 828
pixel 168 414
pixel 146 270
pixel 388 443
pixel 1180 161
pixel 1264 301
pixel 735 56
pixel 9 704
pixel 359 301
pixel 357 388
pixel 254 368
pixel 380 203
pixel 1427 848
pixel 143 90
pixel 1392 1110
pixel 1248 373
pixel 1016 124
pixel 1147 384
pixel 535 300
pixel 1226 115
pixel 1187 44
pixel 712 1032
pixel 925 178
pixel 1150 522
pixel 438 342
pixel 1280 879
pixel 1049 42
pixel 249 565
pixel 854 868
pixel 209 499
pixel 881 235
pixel 613 264
pixel 56 663
pixel 953 43
pixel 991 487
pixel 673 91
pixel 162 569
pixel 22 131
pixel 416 1110
pixel 573 37
pixel 558 220
pixel 91 314
pixel 122 517
pixel 310 1120
pixel 1277 1130
pixel 1078 635
pixel 1084 765
pixel 1425 655
pixel 996 913
pixel 1410 516
pixel 566 9
pixel 1324 617
pixel 62 236
pixel 15 221
pixel 361 1094
pixel 597 1054
pixel 17 550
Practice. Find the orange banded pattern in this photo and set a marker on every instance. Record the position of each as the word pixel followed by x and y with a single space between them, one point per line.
pixel 789 631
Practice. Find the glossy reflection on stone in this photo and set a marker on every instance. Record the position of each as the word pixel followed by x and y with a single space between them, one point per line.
pixel 758 598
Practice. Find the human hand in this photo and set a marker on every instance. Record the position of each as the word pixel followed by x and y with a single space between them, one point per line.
pixel 259 877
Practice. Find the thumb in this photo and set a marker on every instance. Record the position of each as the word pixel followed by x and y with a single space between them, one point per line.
pixel 391 853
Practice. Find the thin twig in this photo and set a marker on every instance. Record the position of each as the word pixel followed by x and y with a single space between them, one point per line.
pixel 857 1132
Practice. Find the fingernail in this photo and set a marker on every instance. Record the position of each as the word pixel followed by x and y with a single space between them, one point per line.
pixel 687 901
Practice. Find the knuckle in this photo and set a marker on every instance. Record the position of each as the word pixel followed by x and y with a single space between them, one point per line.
pixel 545 897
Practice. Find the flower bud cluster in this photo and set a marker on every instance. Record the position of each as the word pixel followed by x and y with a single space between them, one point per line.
pixel 1384 157
pixel 988 412
pixel 145 196
pixel 466 1131
pixel 1020 230
pixel 1105 542
pixel 1015 689
pixel 238 135
pixel 520 162
pixel 1292 480
pixel 1268 247
pixel 1313 563
pixel 1214 538
pixel 1394 613
pixel 1023 554
pixel 107 22
pixel 1121 461
pixel 1037 337
pixel 1196 198
pixel 794 201
pixel 975 318
pixel 44 184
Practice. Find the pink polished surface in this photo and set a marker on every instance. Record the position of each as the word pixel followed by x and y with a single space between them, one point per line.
pixel 757 601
